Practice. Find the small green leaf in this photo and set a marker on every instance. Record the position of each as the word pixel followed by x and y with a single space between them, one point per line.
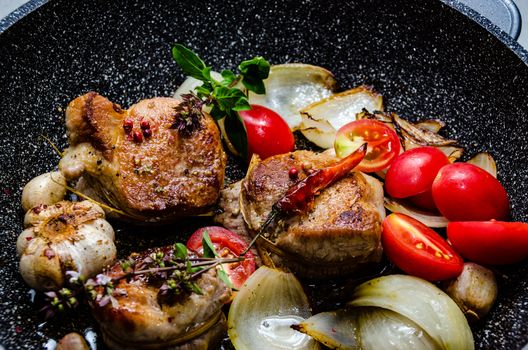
pixel 180 251
pixel 217 113
pixel 206 72
pixel 228 77
pixel 242 105
pixel 228 98
pixel 203 91
pixel 190 63
pixel 236 130
pixel 255 85
pixel 254 71
pixel 195 288
pixel 225 278
pixel 209 250
pixel 196 269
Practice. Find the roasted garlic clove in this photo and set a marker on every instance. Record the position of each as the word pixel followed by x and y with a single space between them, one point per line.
pixel 474 290
pixel 72 341
pixel 62 237
pixel 48 188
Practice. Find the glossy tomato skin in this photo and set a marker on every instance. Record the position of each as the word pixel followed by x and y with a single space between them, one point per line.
pixel 465 192
pixel 414 171
pixel 419 250
pixel 383 143
pixel 268 134
pixel 424 201
pixel 225 239
pixel 490 242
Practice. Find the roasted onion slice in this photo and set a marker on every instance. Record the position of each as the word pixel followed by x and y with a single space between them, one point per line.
pixel 264 309
pixel 291 87
pixel 321 120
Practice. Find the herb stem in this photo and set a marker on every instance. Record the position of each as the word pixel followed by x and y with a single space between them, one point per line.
pixel 209 262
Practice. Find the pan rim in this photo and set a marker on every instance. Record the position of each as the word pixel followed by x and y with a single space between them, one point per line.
pixel 494 30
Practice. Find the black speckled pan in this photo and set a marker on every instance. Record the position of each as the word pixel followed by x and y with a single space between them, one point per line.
pixel 427 59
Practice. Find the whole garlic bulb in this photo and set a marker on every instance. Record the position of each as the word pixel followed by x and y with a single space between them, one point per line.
pixel 65 236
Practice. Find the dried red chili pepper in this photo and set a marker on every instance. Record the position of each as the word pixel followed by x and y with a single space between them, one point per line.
pixel 299 197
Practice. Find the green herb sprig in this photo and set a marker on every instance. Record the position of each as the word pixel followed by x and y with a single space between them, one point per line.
pixel 224 98
pixel 173 269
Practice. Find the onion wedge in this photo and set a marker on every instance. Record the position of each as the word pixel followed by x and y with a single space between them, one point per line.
pixel 366 328
pixel 291 87
pixel 421 302
pixel 264 309
pixel 321 120
pixel 428 219
pixel 485 161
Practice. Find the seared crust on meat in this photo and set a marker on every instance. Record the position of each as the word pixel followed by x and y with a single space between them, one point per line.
pixel 139 321
pixel 340 231
pixel 164 176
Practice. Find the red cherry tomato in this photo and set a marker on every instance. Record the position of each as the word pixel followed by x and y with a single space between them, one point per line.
pixel 383 143
pixel 419 250
pixel 490 242
pixel 424 201
pixel 414 171
pixel 465 192
pixel 268 134
pixel 227 244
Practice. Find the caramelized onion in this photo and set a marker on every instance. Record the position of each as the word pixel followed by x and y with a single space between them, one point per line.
pixel 428 219
pixel 485 161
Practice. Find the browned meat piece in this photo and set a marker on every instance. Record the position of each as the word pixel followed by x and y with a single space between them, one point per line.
pixel 230 216
pixel 162 176
pixel 139 321
pixel 339 233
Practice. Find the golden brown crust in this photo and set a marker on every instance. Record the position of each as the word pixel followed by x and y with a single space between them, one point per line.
pixel 165 174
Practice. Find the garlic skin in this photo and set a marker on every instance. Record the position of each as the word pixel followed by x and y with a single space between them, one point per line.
pixel 48 188
pixel 474 290
pixel 65 236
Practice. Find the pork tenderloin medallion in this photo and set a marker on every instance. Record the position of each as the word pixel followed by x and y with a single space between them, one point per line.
pixel 135 161
pixel 337 235
pixel 137 319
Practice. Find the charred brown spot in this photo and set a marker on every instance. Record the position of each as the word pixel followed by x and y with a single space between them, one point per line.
pixel 117 108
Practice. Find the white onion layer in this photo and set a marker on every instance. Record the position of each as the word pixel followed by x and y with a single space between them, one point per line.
pixel 421 302
pixel 264 309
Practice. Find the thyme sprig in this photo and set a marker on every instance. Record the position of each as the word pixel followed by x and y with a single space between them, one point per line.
pixel 223 96
pixel 173 270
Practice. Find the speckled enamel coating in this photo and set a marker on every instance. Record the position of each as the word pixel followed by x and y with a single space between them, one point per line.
pixel 425 58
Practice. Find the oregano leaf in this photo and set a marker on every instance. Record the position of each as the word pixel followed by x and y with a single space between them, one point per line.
pixel 209 250
pixel 191 64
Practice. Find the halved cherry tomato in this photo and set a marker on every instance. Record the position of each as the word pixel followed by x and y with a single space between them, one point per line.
pixel 465 192
pixel 418 250
pixel 414 171
pixel 268 134
pixel 383 143
pixel 227 244
pixel 490 242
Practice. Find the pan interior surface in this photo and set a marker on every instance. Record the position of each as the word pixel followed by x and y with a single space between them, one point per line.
pixel 425 58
